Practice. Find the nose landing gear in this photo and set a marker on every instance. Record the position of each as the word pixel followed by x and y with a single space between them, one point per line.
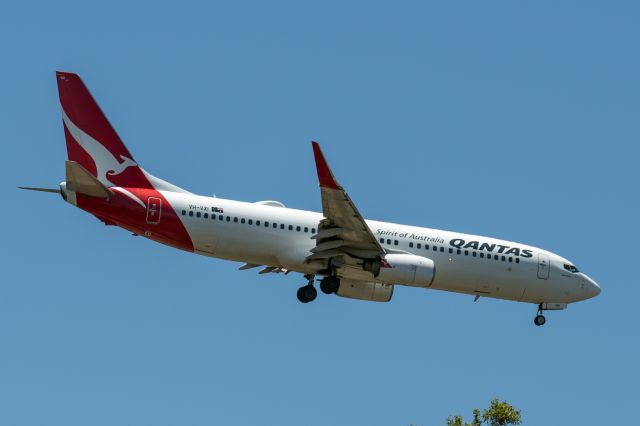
pixel 539 319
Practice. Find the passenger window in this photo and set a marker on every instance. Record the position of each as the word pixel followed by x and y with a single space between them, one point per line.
pixel 190 213
pixel 184 212
pixel 474 254
pixel 313 230
pixel 395 242
pixel 441 249
pixel 282 226
pixel 517 260
pixel 266 224
pixel 388 241
pixel 206 215
pixel 466 252
pixel 306 229
pixel 298 228
pixel 426 246
pixel 198 214
pixel 450 251
pixel 459 251
pixel 510 259
pixel 250 222
pixel 235 219
pixel 488 256
pixel 411 245
pixel 504 258
pixel 242 220
pixel 382 240
pixel 435 248
pixel 228 218
pixel 221 217
pixel 481 254
pixel 419 245
pixel 290 227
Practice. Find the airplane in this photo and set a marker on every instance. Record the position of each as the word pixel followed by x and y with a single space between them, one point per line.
pixel 355 258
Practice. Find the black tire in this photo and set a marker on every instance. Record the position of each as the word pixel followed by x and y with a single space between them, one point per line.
pixel 310 292
pixel 307 293
pixel 539 320
pixel 329 285
pixel 301 296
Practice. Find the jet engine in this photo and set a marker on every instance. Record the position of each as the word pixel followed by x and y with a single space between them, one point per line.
pixel 373 292
pixel 407 269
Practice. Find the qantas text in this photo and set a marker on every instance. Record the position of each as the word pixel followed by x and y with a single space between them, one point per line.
pixel 498 248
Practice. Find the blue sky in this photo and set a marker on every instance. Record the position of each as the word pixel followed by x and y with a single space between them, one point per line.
pixel 518 121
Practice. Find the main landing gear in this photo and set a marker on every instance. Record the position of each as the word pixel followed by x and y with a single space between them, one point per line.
pixel 308 293
pixel 329 284
pixel 539 319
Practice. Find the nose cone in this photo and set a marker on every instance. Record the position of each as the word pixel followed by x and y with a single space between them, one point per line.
pixel 591 288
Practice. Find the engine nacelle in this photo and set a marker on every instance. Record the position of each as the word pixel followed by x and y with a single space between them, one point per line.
pixel 407 269
pixel 373 292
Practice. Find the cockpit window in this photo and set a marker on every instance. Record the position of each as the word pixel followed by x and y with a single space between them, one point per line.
pixel 570 268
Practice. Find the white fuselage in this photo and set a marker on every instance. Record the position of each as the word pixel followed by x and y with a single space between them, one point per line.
pixel 260 234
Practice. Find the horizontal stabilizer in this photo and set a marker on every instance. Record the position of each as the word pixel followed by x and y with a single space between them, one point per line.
pixel 81 181
pixel 30 188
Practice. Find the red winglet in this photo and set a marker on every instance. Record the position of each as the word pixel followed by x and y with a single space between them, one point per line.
pixel 324 173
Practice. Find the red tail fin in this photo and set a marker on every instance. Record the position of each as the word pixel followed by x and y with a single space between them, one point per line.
pixel 91 140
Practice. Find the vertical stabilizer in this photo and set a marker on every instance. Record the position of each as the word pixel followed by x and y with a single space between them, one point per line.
pixel 91 140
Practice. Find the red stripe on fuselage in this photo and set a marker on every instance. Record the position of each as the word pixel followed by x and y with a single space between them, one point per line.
pixel 122 211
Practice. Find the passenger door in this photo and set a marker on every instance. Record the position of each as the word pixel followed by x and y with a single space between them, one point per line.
pixel 543 266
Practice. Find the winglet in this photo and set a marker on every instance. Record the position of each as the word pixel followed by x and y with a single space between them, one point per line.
pixel 325 177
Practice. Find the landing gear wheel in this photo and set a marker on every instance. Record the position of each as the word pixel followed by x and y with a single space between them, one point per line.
pixel 329 284
pixel 539 320
pixel 307 293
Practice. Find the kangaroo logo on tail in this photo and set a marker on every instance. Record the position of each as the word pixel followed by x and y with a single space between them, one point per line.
pixel 128 162
pixel 106 164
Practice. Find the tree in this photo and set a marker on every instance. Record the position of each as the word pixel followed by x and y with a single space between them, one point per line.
pixel 499 413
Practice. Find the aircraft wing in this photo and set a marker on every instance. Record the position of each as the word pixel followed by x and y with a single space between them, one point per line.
pixel 343 232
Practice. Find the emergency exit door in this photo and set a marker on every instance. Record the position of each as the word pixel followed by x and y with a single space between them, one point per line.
pixel 154 210
pixel 543 266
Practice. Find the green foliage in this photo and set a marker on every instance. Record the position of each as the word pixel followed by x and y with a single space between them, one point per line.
pixel 499 413
pixel 454 421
